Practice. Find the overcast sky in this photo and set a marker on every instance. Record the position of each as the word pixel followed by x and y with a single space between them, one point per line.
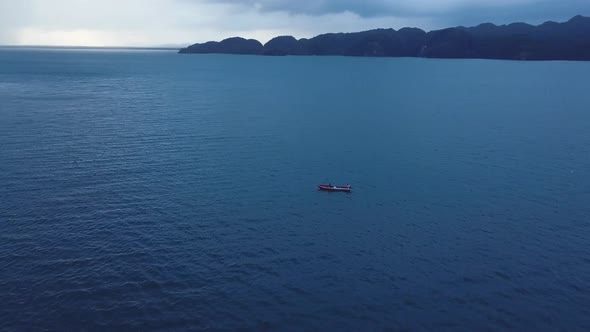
pixel 180 22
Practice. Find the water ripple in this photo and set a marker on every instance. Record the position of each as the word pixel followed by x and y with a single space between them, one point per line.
pixel 148 191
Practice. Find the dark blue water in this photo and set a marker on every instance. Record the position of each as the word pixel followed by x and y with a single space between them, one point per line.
pixel 154 191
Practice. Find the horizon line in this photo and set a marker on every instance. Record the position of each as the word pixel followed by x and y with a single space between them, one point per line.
pixel 163 48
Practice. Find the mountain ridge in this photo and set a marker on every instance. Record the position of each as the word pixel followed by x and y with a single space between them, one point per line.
pixel 516 41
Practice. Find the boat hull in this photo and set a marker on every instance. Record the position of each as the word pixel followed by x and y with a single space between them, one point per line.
pixel 326 187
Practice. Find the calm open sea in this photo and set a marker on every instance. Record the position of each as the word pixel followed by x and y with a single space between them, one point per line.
pixel 155 191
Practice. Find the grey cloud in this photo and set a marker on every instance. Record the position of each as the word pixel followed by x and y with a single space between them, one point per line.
pixel 368 8
pixel 451 11
pixel 320 7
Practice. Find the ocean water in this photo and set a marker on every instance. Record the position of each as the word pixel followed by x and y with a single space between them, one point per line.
pixel 153 191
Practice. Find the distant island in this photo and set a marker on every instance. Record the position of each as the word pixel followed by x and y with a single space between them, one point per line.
pixel 516 41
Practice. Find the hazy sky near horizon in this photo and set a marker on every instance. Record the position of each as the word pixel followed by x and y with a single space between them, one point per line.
pixel 181 22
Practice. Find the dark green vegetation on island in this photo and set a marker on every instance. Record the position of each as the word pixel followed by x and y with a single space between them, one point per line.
pixel 516 41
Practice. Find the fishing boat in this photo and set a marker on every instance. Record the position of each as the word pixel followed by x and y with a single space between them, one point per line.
pixel 330 187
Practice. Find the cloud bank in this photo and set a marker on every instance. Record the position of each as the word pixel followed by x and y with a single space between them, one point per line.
pixel 180 22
